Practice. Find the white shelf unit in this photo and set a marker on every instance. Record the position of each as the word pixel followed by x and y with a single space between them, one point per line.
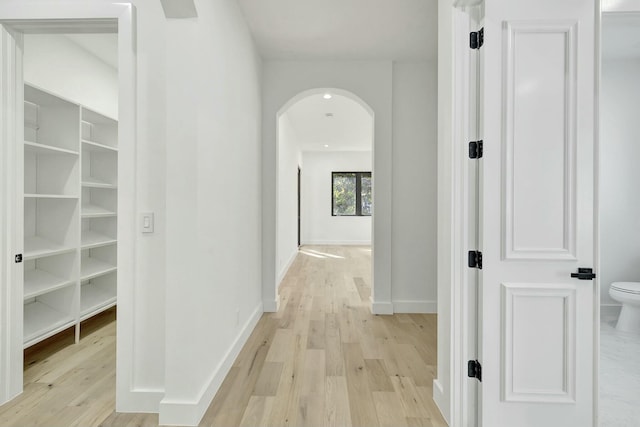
pixel 70 208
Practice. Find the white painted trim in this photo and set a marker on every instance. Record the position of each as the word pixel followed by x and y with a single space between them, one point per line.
pixel 11 237
pixel 438 397
pixel 189 413
pixel 286 268
pixel 143 401
pixel 423 307
pixel 48 14
pixel 384 308
pixel 271 306
pixel 337 243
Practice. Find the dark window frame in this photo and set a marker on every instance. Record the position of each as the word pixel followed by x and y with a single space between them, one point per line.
pixel 359 176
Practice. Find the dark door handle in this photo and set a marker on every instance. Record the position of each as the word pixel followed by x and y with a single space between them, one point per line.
pixel 584 274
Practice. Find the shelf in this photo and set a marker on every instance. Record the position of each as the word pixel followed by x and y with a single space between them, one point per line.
pixel 41 321
pixel 94 299
pixel 95 146
pixel 36 247
pixel 92 211
pixel 92 182
pixel 47 149
pixel 38 282
pixel 49 196
pixel 92 239
pixel 92 267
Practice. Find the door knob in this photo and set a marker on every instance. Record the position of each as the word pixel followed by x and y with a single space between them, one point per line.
pixel 584 274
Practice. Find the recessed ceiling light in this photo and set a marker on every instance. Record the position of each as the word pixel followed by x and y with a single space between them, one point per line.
pixel 326 146
pixel 329 114
pixel 327 96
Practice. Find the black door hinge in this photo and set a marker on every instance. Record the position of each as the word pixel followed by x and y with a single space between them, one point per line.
pixel 475 259
pixel 18 258
pixel 476 149
pixel 476 39
pixel 474 370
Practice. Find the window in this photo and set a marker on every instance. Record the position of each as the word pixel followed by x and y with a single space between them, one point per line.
pixel 351 194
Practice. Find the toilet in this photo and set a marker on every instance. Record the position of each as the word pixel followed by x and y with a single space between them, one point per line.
pixel 628 294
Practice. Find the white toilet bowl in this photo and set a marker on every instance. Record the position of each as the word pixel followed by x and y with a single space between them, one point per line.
pixel 628 294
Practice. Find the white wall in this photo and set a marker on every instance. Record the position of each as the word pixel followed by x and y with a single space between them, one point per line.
pixel 413 245
pixel 289 159
pixel 619 176
pixel 319 227
pixel 213 204
pixel 55 63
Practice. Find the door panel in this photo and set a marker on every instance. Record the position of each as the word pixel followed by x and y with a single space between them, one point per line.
pixel 537 214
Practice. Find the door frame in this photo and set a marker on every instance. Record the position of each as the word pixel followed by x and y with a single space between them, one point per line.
pixel 53 16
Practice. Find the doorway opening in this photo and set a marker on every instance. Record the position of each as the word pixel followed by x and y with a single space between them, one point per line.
pixel 619 209
pixel 323 132
pixel 54 179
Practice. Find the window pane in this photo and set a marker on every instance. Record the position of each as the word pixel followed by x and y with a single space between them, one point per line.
pixel 344 194
pixel 366 194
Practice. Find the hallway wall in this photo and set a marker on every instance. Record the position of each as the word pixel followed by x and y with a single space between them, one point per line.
pixel 289 159
pixel 319 227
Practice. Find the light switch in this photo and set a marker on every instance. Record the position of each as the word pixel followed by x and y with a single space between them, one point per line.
pixel 147 222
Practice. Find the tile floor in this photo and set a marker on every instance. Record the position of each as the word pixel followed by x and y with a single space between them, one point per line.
pixel 619 377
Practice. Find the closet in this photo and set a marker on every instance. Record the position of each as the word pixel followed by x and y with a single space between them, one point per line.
pixel 70 214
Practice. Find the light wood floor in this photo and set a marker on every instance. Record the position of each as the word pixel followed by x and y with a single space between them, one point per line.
pixel 322 360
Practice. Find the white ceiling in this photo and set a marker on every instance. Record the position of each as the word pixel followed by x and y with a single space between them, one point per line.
pixel 621 36
pixel 344 29
pixel 350 128
pixel 104 46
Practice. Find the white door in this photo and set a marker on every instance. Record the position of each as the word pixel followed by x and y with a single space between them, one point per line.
pixel 537 214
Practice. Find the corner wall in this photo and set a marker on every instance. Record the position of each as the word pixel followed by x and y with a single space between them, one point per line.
pixel 619 178
pixel 213 297
pixel 289 159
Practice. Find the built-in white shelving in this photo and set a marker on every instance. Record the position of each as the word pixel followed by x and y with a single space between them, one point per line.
pixel 70 214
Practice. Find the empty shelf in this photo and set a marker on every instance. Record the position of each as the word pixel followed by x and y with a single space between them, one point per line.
pixel 92 267
pixel 92 239
pixel 48 196
pixel 93 211
pixel 94 299
pixel 38 282
pixel 41 321
pixel 96 146
pixel 92 182
pixel 39 148
pixel 36 247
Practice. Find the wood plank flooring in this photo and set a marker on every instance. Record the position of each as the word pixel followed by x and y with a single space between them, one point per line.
pixel 322 360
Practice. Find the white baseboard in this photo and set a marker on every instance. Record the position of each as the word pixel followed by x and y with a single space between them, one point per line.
pixel 189 413
pixel 419 307
pixel 271 306
pixel 383 308
pixel 439 398
pixel 610 312
pixel 337 243
pixel 286 268
pixel 143 401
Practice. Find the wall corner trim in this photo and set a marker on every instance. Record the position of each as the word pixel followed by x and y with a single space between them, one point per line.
pixel 384 308
pixel 416 307
pixel 438 398
pixel 189 413
pixel 139 400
